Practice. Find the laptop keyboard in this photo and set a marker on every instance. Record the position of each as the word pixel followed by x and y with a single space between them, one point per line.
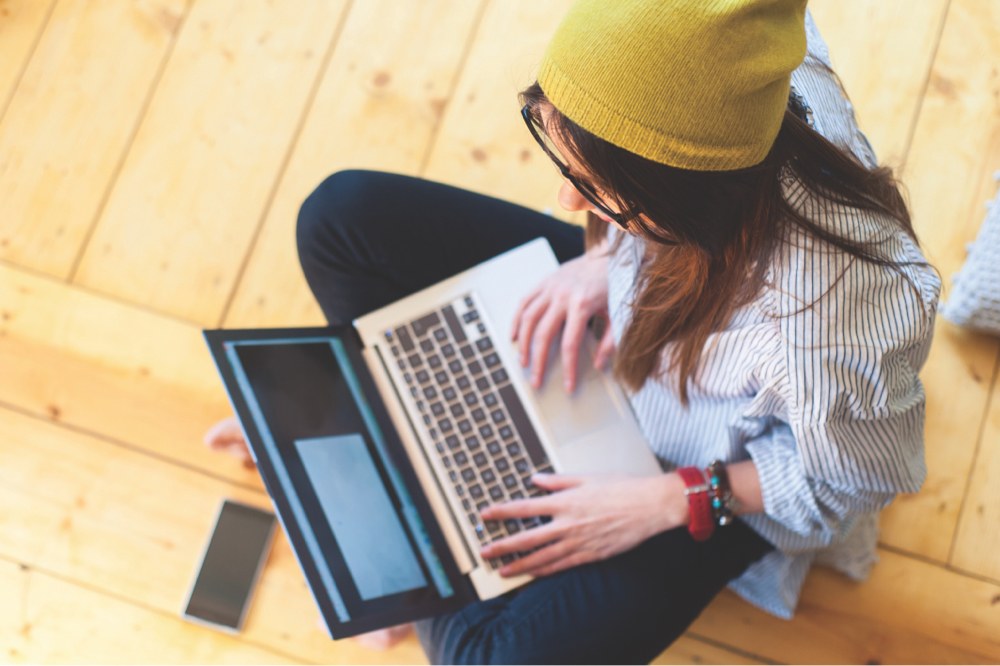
pixel 475 418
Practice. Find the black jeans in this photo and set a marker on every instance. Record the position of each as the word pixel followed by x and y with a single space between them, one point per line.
pixel 366 239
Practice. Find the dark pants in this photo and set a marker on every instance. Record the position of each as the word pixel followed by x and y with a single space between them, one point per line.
pixel 366 239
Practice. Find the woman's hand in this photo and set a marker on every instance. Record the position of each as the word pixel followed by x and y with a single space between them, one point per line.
pixel 571 296
pixel 594 517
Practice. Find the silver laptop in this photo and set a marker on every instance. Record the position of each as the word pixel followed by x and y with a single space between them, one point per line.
pixel 381 442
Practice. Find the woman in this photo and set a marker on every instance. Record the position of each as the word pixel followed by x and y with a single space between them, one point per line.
pixel 768 309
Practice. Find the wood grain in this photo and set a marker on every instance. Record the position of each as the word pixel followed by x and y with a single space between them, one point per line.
pixel 21 23
pixel 378 107
pixel 65 131
pixel 873 43
pixel 483 144
pixel 48 619
pixel 955 150
pixel 909 612
pixel 89 362
pixel 213 143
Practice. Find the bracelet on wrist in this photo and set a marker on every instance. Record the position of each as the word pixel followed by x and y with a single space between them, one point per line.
pixel 723 503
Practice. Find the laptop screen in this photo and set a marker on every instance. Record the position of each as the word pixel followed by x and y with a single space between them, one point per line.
pixel 329 461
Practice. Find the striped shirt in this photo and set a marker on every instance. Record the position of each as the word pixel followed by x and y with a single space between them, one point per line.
pixel 825 400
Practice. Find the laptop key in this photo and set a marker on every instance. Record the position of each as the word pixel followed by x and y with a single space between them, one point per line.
pixel 453 324
pixel 499 376
pixel 427 346
pixel 455 366
pixel 529 438
pixel 502 464
pixel 490 399
pixel 441 377
pixel 430 392
pixel 415 360
pixel 445 425
pixel 484 344
pixel 463 382
pixel 483 384
pixel 472 442
pixel 461 458
pixel 423 376
pixel 470 399
pixel 448 350
pixel 509 481
pixel 476 491
pixel 491 360
pixel 506 432
pixel 496 493
pixel 467 351
pixel 488 476
pixel 449 393
pixel 497 416
pixel 470 316
pixel 464 426
pixel 468 475
pixel 493 448
pixel 514 449
pixel 486 431
pixel 480 459
pixel 451 441
pixel 522 466
pixel 440 335
pixel 404 339
pixel 457 410
pixel 434 361
pixel 512 526
pixel 475 367
pixel 437 409
pixel 478 414
pixel 425 323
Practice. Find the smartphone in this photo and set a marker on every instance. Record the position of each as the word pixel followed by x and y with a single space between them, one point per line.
pixel 230 564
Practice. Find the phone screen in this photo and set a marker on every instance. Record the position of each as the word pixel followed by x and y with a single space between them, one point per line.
pixel 229 568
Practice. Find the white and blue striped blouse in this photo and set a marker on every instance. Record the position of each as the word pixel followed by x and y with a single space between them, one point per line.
pixel 825 399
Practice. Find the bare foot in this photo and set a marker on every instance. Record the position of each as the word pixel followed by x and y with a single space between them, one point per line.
pixel 383 639
pixel 227 436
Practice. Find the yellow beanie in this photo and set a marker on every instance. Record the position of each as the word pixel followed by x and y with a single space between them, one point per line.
pixel 696 84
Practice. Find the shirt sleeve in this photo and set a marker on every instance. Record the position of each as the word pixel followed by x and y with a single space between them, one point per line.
pixel 845 405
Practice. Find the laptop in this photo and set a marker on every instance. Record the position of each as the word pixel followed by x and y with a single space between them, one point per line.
pixel 380 442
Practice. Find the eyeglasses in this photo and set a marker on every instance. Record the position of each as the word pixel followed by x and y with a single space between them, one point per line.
pixel 585 189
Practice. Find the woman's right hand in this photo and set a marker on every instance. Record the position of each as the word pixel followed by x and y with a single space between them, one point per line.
pixel 577 291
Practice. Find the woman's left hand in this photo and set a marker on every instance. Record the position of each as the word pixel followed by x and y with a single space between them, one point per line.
pixel 594 517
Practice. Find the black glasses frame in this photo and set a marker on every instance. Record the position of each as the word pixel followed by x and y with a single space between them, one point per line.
pixel 585 189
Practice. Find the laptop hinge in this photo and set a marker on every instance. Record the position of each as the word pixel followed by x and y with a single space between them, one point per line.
pixel 464 558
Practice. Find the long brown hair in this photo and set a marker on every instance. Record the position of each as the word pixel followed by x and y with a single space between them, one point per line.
pixel 712 234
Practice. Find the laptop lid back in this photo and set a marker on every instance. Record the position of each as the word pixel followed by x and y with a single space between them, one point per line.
pixel 341 483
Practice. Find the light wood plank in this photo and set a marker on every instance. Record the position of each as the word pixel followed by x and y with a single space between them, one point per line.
pixel 70 120
pixel 379 105
pixel 134 526
pixel 47 620
pixel 210 149
pixel 869 39
pixel 90 362
pixel 978 540
pixel 20 23
pixel 948 175
pixel 483 144
pixel 964 93
pixel 909 612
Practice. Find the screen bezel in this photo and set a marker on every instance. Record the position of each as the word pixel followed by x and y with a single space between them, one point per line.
pixel 263 548
pixel 378 614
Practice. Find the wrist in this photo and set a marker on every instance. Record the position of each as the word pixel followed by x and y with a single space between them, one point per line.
pixel 671 504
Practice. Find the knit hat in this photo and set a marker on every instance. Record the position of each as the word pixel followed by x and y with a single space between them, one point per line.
pixel 695 84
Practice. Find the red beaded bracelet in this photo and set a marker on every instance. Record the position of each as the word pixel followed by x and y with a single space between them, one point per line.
pixel 696 489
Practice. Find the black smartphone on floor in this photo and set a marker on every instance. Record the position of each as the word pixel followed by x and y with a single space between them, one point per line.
pixel 230 565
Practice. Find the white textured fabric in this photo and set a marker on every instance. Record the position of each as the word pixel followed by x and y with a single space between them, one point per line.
pixel 825 400
pixel 975 296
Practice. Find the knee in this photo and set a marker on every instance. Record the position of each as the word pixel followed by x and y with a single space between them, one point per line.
pixel 337 204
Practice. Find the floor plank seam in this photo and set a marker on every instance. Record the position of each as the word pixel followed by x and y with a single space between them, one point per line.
pixel 922 96
pixel 154 85
pixel 27 60
pixel 732 648
pixel 283 167
pixel 980 433
pixel 84 585
pixel 453 86
pixel 90 291
pixel 945 566
pixel 129 446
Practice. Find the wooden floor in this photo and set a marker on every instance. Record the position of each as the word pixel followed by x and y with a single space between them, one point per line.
pixel 153 154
